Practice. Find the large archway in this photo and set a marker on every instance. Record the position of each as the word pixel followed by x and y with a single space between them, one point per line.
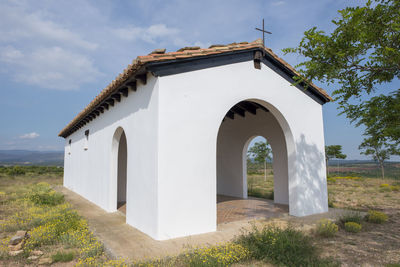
pixel 241 124
pixel 120 154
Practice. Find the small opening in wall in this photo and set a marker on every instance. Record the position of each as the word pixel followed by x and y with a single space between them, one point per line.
pixel 86 140
pixel 69 146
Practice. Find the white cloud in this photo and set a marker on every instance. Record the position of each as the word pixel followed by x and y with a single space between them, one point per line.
pixel 18 24
pixel 148 34
pixel 31 135
pixel 52 68
pixel 10 54
pixel 278 3
pixel 37 50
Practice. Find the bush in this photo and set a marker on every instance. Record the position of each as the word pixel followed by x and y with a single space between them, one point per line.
pixel 352 216
pixel 395 188
pixel 52 228
pixel 15 170
pixel 384 188
pixel 326 228
pixel 223 255
pixel 330 199
pixel 288 247
pixel 352 227
pixel 63 256
pixel 255 192
pixel 42 194
pixel 376 216
pixel 332 179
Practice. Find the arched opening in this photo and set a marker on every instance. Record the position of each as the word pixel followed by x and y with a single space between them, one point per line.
pixel 241 124
pixel 120 153
pixel 258 168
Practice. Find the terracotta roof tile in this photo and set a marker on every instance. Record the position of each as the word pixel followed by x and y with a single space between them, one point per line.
pixel 160 55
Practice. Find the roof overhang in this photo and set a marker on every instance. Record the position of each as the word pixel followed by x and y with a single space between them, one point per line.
pixel 180 62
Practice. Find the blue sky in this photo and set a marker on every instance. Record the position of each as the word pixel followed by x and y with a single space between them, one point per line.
pixel 55 56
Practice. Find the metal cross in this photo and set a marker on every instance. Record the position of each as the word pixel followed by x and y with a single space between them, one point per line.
pixel 263 31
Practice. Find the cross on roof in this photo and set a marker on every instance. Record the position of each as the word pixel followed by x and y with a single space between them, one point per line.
pixel 263 32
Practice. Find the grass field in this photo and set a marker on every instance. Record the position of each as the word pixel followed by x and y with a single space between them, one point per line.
pixel 27 202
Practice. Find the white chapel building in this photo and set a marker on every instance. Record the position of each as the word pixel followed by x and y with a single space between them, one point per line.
pixel 171 133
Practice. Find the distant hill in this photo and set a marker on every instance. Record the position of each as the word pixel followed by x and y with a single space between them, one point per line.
pixel 28 157
pixel 334 162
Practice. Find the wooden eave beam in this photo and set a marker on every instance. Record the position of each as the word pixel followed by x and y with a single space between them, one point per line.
pixel 248 106
pixel 104 105
pixel 261 107
pixel 142 78
pixel 124 91
pixel 238 111
pixel 117 97
pixel 110 102
pixel 230 115
pixel 132 86
pixel 258 55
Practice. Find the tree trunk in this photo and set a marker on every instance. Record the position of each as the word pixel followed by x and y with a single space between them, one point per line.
pixel 383 170
pixel 327 169
pixel 265 171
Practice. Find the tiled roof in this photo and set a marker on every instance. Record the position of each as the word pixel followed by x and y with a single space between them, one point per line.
pixel 159 55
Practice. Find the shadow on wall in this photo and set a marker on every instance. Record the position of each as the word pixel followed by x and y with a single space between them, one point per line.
pixel 311 186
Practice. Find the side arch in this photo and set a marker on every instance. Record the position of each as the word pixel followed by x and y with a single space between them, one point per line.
pixel 119 159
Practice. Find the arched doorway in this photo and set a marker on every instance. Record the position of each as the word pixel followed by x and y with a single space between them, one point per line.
pixel 258 168
pixel 244 121
pixel 120 154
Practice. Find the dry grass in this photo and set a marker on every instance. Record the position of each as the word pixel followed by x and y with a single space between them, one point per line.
pixel 376 244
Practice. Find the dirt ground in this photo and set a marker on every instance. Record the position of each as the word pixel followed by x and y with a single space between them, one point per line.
pixel 375 245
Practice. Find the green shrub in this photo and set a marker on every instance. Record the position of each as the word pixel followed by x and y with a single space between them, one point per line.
pixel 351 216
pixel 288 247
pixel 352 227
pixel 376 216
pixel 327 228
pixel 384 188
pixel 330 200
pixel 42 194
pixel 255 192
pixel 222 255
pixel 63 256
pixel 15 170
pixel 332 180
pixel 53 227
pixel 395 188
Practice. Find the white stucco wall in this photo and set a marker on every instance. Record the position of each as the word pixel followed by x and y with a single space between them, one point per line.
pixel 192 106
pixel 89 172
pixel 171 126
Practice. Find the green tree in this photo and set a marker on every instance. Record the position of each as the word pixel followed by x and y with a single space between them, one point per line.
pixel 333 152
pixel 360 55
pixel 379 115
pixel 260 152
pixel 378 150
